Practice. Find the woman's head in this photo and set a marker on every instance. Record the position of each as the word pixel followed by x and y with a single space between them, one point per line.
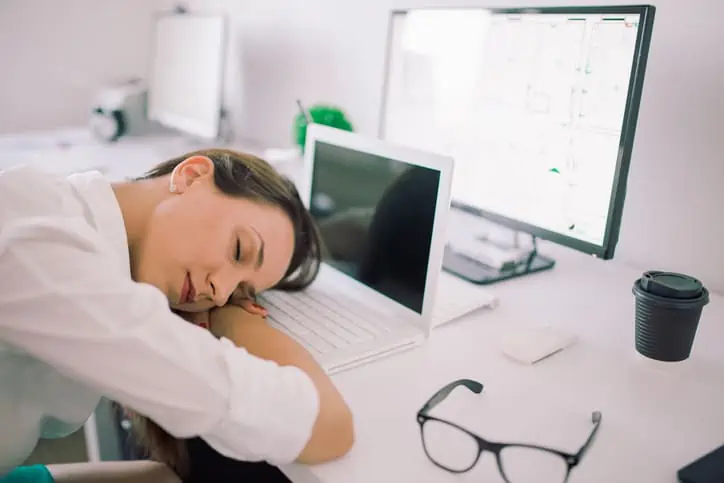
pixel 229 224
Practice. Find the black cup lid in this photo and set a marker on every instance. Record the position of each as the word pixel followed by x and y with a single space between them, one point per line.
pixel 671 285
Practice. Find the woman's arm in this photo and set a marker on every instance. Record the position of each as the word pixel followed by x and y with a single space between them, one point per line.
pixel 113 472
pixel 333 433
pixel 67 300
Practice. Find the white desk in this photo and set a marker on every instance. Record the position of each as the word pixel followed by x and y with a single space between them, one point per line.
pixel 657 417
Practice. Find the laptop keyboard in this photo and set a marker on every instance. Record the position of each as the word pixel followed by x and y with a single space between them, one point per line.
pixel 320 321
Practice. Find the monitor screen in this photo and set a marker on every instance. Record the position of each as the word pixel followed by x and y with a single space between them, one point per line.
pixel 186 78
pixel 538 108
pixel 376 218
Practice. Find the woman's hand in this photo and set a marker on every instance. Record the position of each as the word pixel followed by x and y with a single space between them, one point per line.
pixel 220 324
pixel 252 311
pixel 248 304
pixel 224 320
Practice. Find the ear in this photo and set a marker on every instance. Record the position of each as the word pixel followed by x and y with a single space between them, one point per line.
pixel 194 169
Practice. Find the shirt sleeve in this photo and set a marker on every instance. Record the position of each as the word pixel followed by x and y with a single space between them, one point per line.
pixel 64 300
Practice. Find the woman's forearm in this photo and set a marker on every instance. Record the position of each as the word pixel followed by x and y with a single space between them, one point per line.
pixel 113 472
pixel 333 432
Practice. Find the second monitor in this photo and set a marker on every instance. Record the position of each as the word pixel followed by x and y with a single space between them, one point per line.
pixel 537 106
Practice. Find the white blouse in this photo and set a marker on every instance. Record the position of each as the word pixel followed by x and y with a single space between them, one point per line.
pixel 75 326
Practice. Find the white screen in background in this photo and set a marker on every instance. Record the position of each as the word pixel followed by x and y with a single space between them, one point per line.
pixel 186 75
pixel 530 106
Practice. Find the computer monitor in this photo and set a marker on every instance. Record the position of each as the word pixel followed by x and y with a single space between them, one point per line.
pixel 187 70
pixel 538 106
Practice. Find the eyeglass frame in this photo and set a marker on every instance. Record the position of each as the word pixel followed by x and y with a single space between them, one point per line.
pixel 571 459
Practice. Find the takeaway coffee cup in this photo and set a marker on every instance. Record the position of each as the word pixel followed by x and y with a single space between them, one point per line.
pixel 668 308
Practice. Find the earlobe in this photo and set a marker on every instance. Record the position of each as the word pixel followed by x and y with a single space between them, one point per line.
pixel 172 182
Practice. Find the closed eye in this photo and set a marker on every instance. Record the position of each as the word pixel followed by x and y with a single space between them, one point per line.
pixel 237 256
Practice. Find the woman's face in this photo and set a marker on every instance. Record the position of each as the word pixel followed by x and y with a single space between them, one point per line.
pixel 200 246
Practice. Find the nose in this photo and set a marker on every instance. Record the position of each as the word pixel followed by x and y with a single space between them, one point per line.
pixel 220 294
pixel 222 285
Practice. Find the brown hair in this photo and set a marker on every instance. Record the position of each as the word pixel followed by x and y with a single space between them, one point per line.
pixel 244 176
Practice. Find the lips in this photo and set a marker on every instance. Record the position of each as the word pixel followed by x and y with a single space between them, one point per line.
pixel 188 293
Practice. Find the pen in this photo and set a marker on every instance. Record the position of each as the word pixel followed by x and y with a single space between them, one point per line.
pixel 306 117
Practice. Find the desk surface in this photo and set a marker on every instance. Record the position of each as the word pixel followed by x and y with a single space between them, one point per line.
pixel 657 417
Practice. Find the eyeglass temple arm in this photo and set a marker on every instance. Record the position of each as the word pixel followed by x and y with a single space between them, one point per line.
pixel 440 395
pixel 596 419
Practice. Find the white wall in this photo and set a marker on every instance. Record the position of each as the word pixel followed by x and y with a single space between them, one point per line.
pixel 54 54
pixel 333 50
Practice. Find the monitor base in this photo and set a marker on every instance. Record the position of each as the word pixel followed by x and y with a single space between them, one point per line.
pixel 480 273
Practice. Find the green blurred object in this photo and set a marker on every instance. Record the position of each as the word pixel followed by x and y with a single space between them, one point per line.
pixel 321 114
pixel 28 474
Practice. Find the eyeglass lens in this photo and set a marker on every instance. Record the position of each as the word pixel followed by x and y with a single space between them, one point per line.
pixel 458 451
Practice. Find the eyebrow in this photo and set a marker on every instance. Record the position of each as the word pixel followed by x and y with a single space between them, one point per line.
pixel 260 255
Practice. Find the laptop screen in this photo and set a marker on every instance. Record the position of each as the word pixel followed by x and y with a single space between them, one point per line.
pixel 376 218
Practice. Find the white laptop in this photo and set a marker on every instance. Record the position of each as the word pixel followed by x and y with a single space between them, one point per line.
pixel 382 212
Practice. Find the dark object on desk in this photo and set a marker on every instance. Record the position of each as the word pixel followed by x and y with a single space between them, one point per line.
pixel 476 271
pixel 668 309
pixel 207 465
pixel 707 469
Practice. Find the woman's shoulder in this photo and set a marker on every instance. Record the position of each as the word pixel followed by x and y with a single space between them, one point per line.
pixel 30 196
pixel 29 191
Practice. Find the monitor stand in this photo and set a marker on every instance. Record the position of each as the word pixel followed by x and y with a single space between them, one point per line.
pixel 474 266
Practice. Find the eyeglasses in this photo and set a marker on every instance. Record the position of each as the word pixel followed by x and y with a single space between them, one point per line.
pixel 457 450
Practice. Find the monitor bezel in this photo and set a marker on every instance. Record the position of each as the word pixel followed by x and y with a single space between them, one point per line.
pixel 607 248
pixel 153 115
